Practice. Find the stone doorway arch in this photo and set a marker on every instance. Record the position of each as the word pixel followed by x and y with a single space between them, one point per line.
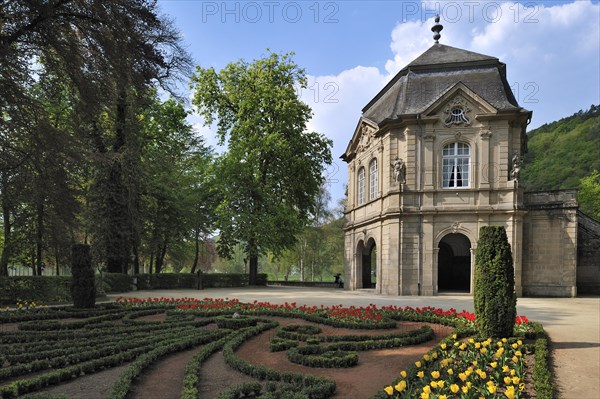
pixel 369 264
pixel 454 263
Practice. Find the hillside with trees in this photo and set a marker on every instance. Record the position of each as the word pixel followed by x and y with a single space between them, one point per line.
pixel 566 155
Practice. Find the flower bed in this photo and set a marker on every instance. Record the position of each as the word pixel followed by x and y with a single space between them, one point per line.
pixel 461 366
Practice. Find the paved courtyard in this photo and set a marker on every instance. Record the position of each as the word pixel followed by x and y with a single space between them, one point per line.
pixel 573 324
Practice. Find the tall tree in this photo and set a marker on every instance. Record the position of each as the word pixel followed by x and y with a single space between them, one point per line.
pixel 111 52
pixel 272 170
pixel 176 189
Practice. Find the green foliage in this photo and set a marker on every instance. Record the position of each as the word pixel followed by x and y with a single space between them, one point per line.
pixel 272 172
pixel 319 356
pixel 589 195
pixel 494 299
pixel 562 153
pixel 114 282
pixel 41 289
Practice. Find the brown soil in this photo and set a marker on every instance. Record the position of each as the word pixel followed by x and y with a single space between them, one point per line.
pixel 374 371
pixel 164 380
pixel 93 386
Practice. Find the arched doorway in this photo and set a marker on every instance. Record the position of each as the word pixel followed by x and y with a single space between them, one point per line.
pixel 369 265
pixel 454 263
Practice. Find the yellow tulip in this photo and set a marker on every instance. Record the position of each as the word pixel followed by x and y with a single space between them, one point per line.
pixel 435 374
pixel 494 364
pixel 507 380
pixel 442 397
pixel 443 346
pixel 505 369
pixel 454 388
pixel 389 390
pixel 433 384
pixel 426 357
pixel 491 388
pixel 450 372
pixel 510 392
pixel 426 389
pixel 420 374
pixel 441 383
pixel 516 380
pixel 424 395
pixel 403 374
pixel 462 376
pixel 465 389
pixel 418 364
pixel 401 386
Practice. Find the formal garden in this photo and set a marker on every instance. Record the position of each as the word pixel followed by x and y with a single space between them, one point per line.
pixel 46 346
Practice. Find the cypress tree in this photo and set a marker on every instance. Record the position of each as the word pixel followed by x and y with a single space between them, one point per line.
pixel 83 284
pixel 495 299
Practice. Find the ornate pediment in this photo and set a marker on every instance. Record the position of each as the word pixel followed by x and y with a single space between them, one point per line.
pixel 458 107
pixel 364 138
pixel 367 137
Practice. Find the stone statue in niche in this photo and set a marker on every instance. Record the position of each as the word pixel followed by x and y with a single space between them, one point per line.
pixel 399 170
pixel 516 167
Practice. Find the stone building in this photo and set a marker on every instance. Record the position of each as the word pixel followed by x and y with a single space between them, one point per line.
pixel 435 156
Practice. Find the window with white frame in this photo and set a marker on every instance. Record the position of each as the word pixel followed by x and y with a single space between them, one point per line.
pixel 373 183
pixel 361 186
pixel 455 165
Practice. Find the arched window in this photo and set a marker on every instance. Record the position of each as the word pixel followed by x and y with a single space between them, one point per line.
pixel 455 165
pixel 361 186
pixel 373 183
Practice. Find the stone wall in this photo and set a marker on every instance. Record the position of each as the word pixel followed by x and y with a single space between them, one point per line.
pixel 588 255
pixel 550 244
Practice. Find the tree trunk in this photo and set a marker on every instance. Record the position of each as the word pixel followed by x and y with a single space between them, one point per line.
pixel 252 255
pixel 7 227
pixel 197 254
pixel 39 236
pixel 57 259
pixel 151 262
pixel 253 271
pixel 160 257
pixel 136 260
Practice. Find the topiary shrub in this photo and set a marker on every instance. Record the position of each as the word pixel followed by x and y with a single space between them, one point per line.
pixel 83 285
pixel 495 300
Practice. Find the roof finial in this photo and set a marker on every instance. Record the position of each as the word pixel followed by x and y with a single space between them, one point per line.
pixel 437 28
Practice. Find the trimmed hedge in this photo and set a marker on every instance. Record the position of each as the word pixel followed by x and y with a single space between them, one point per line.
pixel 52 289
pixel 322 356
pixel 42 289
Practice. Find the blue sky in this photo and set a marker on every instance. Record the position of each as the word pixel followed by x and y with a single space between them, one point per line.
pixel 351 49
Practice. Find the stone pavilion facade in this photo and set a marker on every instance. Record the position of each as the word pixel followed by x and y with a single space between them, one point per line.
pixel 435 156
